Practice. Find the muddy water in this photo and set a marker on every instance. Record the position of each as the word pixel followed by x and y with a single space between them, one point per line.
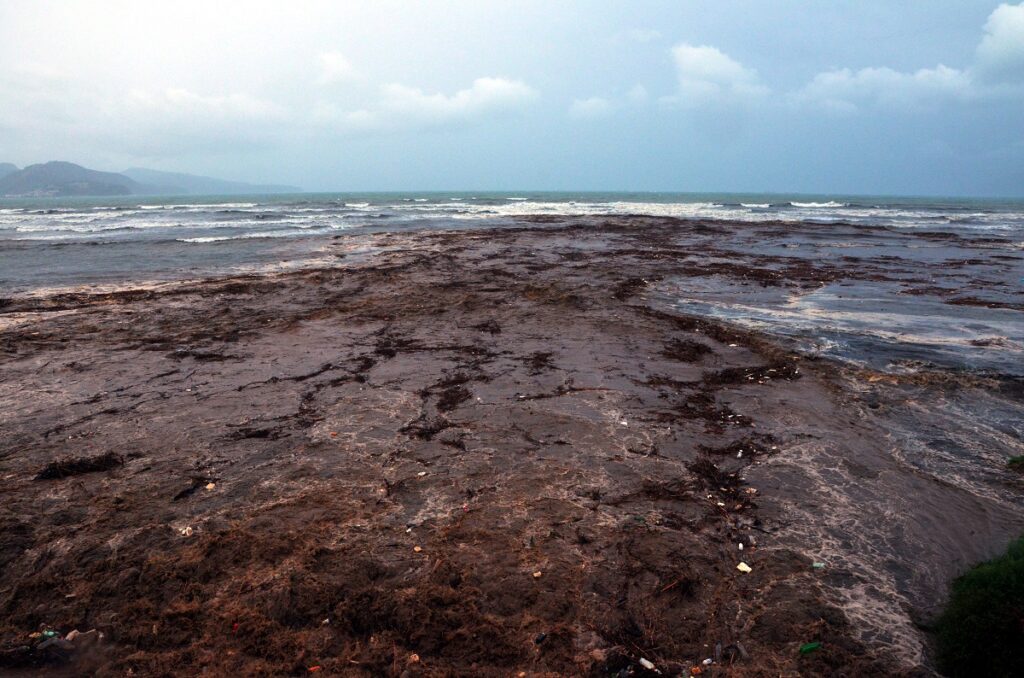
pixel 399 440
pixel 929 329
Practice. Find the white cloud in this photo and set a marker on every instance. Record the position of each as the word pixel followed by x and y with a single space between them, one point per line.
pixel 335 68
pixel 997 70
pixel 485 96
pixel 160 121
pixel 707 75
pixel 180 103
pixel 403 107
pixel 1000 55
pixel 594 107
pixel 845 90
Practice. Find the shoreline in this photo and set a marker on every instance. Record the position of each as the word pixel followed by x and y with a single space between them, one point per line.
pixel 510 402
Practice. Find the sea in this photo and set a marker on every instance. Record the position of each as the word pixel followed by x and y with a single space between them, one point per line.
pixel 49 244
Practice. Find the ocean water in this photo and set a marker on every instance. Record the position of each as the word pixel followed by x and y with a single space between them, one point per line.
pixel 62 243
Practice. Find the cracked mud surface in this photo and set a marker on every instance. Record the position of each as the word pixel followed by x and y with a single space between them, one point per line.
pixel 475 453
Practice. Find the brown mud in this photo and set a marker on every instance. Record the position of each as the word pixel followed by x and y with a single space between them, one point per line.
pixel 482 453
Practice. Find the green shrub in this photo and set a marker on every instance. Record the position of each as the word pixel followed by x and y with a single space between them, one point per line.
pixel 981 631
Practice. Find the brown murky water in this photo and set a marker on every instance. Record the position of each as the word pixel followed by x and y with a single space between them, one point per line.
pixel 498 451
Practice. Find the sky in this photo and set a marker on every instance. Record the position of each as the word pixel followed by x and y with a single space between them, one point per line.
pixel 913 97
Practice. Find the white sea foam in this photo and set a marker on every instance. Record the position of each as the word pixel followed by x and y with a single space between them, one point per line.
pixel 830 203
pixel 758 205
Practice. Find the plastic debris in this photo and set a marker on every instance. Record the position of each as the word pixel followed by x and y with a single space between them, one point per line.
pixel 421 474
pixel 538 574
pixel 708 662
pixel 314 669
pixel 808 648
pixel 740 545
pixel 540 638
pixel 81 638
pixel 417 549
pixel 50 634
pixel 186 532
pixel 818 566
pixel 414 658
pixel 743 567
pixel 696 671
pixel 647 664
pixel 211 486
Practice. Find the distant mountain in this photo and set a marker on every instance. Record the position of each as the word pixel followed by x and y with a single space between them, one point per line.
pixel 63 179
pixel 173 183
pixel 54 179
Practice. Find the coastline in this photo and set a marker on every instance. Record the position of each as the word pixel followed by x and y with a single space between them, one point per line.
pixel 510 402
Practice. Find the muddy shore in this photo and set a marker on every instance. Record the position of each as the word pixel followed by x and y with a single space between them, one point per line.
pixel 475 453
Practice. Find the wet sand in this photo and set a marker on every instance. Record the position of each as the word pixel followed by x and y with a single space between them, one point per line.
pixel 482 453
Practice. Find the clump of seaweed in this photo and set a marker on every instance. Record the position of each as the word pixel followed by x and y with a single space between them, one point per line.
pixel 981 631
pixel 73 466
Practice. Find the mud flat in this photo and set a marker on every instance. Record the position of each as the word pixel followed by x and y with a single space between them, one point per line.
pixel 493 452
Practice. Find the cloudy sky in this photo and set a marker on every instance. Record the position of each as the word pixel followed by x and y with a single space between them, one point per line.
pixel 850 96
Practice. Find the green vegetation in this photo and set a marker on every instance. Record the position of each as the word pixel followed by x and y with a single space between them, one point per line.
pixel 981 632
pixel 1016 463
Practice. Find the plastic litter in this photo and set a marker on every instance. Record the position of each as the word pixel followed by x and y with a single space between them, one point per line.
pixel 314 669
pixel 818 566
pixel 743 567
pixel 186 532
pixel 421 474
pixel 414 658
pixel 538 574
pixel 708 662
pixel 740 545
pixel 211 486
pixel 647 664
pixel 541 637
pixel 417 549
pixel 808 648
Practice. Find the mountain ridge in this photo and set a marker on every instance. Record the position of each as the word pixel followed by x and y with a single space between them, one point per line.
pixel 59 178
pixel 194 184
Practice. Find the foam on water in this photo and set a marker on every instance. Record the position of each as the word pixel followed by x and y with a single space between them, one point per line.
pixel 201 223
